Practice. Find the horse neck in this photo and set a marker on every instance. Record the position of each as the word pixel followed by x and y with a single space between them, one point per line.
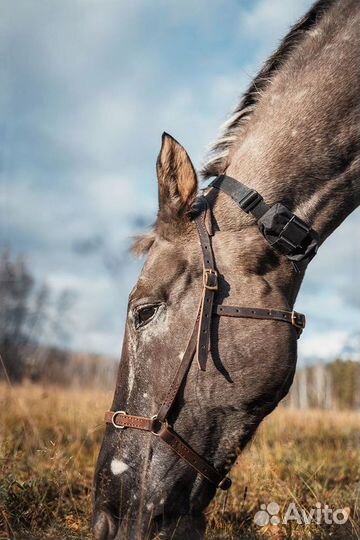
pixel 300 146
pixel 323 202
pixel 311 166
pixel 324 209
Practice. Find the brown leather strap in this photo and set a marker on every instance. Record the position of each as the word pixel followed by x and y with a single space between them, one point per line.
pixel 182 449
pixel 210 286
pixel 179 375
pixel 292 317
pixel 199 343
pixel 120 420
pixel 200 336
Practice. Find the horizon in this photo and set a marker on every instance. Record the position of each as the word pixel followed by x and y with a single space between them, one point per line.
pixel 84 89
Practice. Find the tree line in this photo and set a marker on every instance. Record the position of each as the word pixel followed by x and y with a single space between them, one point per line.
pixel 326 386
pixel 30 314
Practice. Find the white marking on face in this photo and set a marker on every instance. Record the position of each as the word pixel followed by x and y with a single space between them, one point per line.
pixel 131 376
pixel 118 467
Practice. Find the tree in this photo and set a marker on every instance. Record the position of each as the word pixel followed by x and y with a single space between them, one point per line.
pixel 29 315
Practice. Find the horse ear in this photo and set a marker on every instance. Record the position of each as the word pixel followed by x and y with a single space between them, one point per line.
pixel 178 185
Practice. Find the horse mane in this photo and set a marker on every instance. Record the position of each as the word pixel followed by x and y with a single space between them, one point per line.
pixel 231 131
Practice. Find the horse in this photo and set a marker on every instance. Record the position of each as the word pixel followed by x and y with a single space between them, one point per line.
pixel 193 386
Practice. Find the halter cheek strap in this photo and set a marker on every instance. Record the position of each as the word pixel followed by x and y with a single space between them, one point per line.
pixel 198 346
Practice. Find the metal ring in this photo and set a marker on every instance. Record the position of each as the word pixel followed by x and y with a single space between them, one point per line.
pixel 161 424
pixel 123 413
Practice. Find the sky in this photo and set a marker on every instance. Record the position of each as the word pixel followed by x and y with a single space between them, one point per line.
pixel 87 88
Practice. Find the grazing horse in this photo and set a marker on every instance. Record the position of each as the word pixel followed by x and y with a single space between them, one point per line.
pixel 193 386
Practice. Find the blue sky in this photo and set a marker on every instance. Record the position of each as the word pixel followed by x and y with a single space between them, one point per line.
pixel 88 86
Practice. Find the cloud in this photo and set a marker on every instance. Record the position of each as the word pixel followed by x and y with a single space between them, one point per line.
pixel 87 90
pixel 323 346
pixel 262 21
pixel 330 295
pixel 334 269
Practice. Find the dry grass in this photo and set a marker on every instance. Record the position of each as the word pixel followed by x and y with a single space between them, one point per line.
pixel 50 438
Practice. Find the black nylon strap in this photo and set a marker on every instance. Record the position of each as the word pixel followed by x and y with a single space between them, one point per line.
pixel 287 234
pixel 249 200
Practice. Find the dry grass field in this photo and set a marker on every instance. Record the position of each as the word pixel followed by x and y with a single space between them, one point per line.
pixel 50 437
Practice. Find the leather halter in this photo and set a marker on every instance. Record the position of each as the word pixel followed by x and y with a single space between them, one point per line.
pixel 198 346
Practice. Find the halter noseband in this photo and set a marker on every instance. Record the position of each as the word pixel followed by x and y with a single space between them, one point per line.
pixel 296 241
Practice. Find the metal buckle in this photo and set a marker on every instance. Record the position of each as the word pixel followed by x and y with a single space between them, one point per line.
pixel 116 413
pixel 210 279
pixel 298 322
pixel 158 426
pixel 225 483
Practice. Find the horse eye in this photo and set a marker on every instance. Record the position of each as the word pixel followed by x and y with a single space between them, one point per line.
pixel 145 314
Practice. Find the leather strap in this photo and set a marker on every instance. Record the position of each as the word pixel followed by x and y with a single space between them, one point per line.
pixel 179 375
pixel 210 286
pixel 120 420
pixel 294 318
pixel 183 450
pixel 199 344
pixel 200 336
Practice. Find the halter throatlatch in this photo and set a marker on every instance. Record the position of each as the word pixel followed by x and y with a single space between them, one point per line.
pixel 199 344
pixel 286 233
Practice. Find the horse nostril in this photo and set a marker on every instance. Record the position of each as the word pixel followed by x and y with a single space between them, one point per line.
pixel 104 526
